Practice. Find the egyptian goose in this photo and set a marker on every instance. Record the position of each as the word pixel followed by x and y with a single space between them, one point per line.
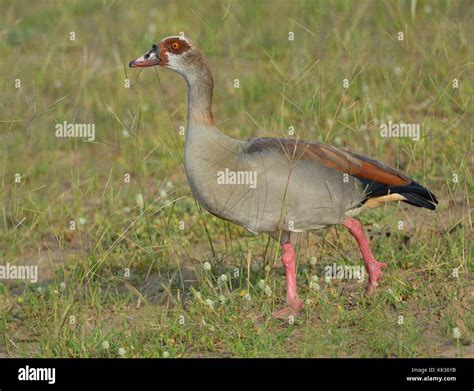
pixel 277 186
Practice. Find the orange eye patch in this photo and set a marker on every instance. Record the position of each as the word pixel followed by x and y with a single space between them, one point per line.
pixel 175 45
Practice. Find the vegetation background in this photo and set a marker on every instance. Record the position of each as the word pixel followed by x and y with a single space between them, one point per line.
pixel 129 279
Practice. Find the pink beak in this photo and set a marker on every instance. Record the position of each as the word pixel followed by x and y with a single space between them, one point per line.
pixel 149 59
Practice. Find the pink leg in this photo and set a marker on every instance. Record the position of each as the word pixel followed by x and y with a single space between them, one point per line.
pixel 371 264
pixel 293 301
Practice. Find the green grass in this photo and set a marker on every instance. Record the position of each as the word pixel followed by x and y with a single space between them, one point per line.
pixel 84 297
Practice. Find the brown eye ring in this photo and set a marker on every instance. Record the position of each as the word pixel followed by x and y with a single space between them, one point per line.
pixel 175 46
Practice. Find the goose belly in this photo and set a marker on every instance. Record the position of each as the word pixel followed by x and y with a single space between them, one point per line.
pixel 267 194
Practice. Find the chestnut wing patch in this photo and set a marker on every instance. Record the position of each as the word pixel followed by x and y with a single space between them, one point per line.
pixel 332 157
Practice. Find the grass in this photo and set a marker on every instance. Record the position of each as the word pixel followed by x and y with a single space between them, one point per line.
pixel 131 276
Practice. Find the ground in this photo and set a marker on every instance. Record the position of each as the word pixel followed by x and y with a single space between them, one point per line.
pixel 131 279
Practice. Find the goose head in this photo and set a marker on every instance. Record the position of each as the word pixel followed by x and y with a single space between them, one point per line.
pixel 175 53
pixel 178 54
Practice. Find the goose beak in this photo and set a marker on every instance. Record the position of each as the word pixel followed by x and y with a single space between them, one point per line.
pixel 149 59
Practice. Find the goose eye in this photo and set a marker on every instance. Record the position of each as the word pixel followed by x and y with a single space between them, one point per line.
pixel 175 45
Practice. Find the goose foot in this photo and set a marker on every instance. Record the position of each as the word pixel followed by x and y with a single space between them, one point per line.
pixel 294 304
pixel 292 309
pixel 375 274
pixel 374 268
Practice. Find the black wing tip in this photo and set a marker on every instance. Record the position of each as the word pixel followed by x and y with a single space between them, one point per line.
pixel 414 193
pixel 423 192
pixel 420 201
pixel 420 196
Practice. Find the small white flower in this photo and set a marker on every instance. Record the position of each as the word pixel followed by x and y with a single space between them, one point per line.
pixel 207 266
pixel 222 299
pixel 169 184
pixel 308 302
pixel 268 291
pixel 81 220
pixel 314 285
pixel 267 268
pixel 163 194
pixel 125 133
pixel 122 352
pixel 209 302
pixel 166 354
pixel 261 284
pixel 223 278
pixel 62 286
pixel 314 278
pixel 247 297
pixel 456 333
pixel 327 280
pixel 105 345
pixel 312 261
pixel 139 200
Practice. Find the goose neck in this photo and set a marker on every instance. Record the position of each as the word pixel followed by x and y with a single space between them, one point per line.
pixel 200 90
